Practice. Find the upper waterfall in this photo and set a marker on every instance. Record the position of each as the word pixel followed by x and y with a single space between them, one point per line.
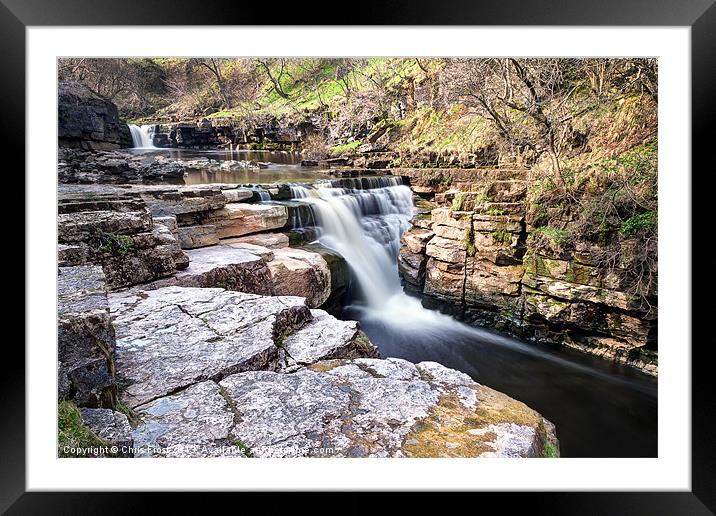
pixel 141 139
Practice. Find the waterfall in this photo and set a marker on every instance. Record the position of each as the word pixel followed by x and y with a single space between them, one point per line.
pixel 363 219
pixel 141 139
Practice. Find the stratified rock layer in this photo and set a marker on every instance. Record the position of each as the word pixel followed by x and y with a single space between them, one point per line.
pixel 86 338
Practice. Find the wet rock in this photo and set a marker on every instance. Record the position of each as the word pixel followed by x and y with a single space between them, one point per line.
pixel 111 426
pixel 86 338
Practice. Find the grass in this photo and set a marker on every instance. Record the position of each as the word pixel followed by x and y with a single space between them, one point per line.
pixel 550 451
pixel 72 431
pixel 113 243
pixel 555 235
pixel 345 148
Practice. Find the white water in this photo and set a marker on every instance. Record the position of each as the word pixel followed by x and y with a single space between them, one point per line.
pixel 365 226
pixel 141 138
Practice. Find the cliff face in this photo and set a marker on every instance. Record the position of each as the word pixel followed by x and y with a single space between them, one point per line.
pixel 473 251
pixel 86 120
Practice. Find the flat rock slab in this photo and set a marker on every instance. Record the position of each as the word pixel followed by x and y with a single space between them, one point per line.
pixel 194 423
pixel 347 408
pixel 172 337
pixel 326 337
pixel 224 266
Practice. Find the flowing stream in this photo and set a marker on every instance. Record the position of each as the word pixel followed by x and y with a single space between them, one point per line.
pixel 600 409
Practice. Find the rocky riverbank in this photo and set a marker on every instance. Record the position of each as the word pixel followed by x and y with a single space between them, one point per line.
pixel 473 252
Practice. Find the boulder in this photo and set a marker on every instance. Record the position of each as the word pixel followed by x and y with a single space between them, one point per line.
pixel 86 338
pixel 86 120
pixel 296 272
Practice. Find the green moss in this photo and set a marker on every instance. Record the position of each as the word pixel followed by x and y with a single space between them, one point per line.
pixel 72 431
pixel 459 201
pixel 469 241
pixel 113 243
pixel 127 411
pixel 243 447
pixel 495 211
pixel 502 236
pixel 555 235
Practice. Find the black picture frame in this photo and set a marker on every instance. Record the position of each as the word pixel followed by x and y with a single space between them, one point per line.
pixel 699 15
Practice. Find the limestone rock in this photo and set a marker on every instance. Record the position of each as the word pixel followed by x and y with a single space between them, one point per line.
pixel 446 250
pixel 223 266
pixel 326 337
pixel 195 422
pixel 242 219
pixel 379 408
pixel 296 272
pixel 111 426
pixel 172 337
pixel 238 195
pixel 113 167
pixel 192 237
pixel 85 119
pixel 416 239
pixel 86 338
pixel 269 240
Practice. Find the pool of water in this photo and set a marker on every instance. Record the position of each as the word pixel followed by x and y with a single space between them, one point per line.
pixel 283 166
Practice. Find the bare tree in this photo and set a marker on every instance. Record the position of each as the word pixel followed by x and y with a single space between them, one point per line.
pixel 275 79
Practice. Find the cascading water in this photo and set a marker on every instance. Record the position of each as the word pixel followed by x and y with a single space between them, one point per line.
pixel 363 219
pixel 141 139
